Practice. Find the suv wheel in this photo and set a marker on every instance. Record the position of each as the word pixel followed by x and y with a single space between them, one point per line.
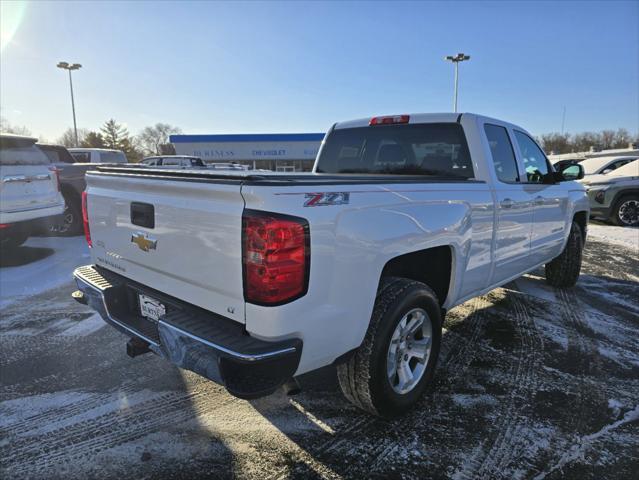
pixel 397 359
pixel 626 211
pixel 70 221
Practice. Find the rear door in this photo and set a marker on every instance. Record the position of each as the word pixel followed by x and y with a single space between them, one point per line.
pixel 550 201
pixel 27 180
pixel 514 207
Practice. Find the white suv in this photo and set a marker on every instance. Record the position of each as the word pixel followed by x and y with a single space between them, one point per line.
pixel 29 189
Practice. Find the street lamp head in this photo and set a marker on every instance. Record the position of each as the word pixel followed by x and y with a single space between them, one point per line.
pixel 460 57
pixel 63 65
pixel 75 66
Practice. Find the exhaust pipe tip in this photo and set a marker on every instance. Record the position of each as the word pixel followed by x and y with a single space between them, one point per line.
pixel 136 346
pixel 292 387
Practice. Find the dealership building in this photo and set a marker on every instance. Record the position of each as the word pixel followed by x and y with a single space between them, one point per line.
pixel 282 152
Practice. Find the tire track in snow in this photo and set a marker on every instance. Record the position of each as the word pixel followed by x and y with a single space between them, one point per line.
pixel 491 461
pixel 86 438
pixel 586 355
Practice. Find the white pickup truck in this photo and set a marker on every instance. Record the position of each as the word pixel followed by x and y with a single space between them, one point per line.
pixel 251 280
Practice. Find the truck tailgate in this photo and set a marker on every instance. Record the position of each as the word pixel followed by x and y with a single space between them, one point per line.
pixel 182 238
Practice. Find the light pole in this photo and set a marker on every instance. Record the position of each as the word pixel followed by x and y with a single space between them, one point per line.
pixel 69 67
pixel 460 57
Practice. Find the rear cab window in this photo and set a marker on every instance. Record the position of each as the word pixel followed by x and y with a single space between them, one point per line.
pixel 112 157
pixel 81 157
pixel 21 151
pixel 434 149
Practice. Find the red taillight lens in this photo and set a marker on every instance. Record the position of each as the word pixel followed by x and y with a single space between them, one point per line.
pixel 390 120
pixel 85 219
pixel 276 257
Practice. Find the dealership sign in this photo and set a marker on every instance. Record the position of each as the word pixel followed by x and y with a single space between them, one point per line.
pixel 292 146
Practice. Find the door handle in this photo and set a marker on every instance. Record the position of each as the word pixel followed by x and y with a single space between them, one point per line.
pixel 506 203
pixel 539 200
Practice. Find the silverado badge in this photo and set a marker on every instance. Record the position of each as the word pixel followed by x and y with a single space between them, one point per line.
pixel 143 241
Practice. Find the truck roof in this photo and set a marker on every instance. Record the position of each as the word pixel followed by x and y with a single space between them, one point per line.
pixel 446 117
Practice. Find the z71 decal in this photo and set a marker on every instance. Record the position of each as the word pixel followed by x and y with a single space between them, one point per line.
pixel 326 198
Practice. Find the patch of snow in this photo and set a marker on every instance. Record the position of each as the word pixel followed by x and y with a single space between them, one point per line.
pixel 471 401
pixel 625 236
pixel 578 450
pixel 45 274
pixel 84 327
pixel 556 332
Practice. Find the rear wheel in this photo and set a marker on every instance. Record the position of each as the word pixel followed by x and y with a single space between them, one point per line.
pixel 397 358
pixel 626 211
pixel 563 271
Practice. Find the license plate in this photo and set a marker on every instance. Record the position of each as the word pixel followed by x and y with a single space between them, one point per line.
pixel 151 308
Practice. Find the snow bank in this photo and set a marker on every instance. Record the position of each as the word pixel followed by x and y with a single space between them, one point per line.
pixel 625 236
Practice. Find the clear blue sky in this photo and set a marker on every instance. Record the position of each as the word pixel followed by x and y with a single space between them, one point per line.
pixel 299 67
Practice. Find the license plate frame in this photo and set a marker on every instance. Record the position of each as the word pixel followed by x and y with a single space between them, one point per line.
pixel 151 308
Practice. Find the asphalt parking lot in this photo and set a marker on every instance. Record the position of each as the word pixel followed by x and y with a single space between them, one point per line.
pixel 532 382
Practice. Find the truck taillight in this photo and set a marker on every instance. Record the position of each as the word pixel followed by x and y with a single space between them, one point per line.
pixel 276 257
pixel 85 219
pixel 389 120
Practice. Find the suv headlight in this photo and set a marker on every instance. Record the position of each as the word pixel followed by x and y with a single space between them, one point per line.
pixel 600 196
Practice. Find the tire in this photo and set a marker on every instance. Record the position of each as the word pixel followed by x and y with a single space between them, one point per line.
pixel 626 211
pixel 563 271
pixel 69 223
pixel 364 378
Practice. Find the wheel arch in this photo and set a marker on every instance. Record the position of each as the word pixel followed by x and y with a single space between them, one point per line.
pixel 432 266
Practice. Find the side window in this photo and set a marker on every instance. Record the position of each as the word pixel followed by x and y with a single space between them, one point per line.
pixel 535 163
pixel 502 152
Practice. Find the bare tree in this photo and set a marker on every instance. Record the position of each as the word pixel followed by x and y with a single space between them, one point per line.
pixel 68 137
pixel 556 142
pixel 6 127
pixel 154 140
pixel 622 138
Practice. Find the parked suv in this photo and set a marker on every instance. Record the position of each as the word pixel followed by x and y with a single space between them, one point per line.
pixel 29 189
pixel 98 155
pixel 615 195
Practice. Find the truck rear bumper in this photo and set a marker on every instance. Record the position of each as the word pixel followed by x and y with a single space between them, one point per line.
pixel 192 338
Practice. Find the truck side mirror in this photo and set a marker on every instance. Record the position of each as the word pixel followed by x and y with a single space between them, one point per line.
pixel 572 172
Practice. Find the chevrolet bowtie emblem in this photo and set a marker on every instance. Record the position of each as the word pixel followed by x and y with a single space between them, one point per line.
pixel 143 241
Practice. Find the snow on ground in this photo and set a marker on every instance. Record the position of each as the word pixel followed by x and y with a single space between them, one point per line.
pixel 53 265
pixel 626 236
